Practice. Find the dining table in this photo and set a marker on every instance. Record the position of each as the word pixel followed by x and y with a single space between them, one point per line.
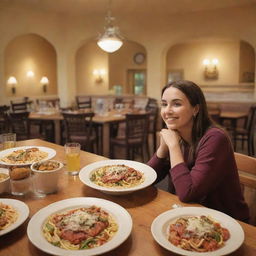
pixel 103 121
pixel 142 205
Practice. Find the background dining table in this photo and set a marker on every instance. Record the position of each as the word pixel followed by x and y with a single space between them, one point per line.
pixel 144 206
pixel 104 120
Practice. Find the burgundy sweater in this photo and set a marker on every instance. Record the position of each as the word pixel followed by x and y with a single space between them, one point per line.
pixel 213 179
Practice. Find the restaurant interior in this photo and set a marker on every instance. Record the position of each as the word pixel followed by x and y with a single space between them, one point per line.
pixel 60 81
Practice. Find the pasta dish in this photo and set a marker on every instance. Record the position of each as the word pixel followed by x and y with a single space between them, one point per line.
pixel 197 233
pixel 8 215
pixel 80 228
pixel 117 176
pixel 25 156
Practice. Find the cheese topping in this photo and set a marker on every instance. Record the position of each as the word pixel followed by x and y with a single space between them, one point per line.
pixel 199 226
pixel 79 220
pixel 116 170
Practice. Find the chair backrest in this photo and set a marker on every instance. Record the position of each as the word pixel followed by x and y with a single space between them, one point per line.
pixel 78 125
pixel 214 111
pixel 19 106
pixel 83 102
pixel 4 121
pixel 20 124
pixel 153 109
pixel 136 128
pixel 247 174
pixel 251 122
pixel 151 104
pixel 247 169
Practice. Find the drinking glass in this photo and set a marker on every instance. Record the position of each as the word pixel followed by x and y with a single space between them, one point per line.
pixel 20 180
pixel 8 140
pixel 72 151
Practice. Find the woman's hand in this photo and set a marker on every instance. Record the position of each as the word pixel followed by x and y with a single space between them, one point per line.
pixel 170 141
pixel 170 137
pixel 162 151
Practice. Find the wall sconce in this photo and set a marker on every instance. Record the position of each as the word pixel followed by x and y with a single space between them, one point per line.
pixel 44 81
pixel 98 73
pixel 30 73
pixel 12 81
pixel 211 71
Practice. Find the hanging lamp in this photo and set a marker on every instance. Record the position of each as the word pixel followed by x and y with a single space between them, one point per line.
pixel 110 40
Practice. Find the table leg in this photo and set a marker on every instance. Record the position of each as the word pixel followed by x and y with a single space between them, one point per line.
pixel 105 139
pixel 57 131
pixel 234 123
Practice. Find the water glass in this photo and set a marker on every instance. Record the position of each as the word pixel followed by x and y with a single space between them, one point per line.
pixel 72 152
pixel 8 140
pixel 20 180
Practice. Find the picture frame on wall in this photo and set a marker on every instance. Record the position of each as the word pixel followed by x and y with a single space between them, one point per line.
pixel 175 75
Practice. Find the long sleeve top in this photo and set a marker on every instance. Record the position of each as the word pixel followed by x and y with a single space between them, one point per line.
pixel 212 181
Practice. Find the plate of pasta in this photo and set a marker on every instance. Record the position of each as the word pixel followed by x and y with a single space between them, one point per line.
pixel 13 213
pixel 79 226
pixel 117 176
pixel 25 155
pixel 194 231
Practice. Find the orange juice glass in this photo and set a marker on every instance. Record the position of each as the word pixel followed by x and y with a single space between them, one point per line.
pixel 72 152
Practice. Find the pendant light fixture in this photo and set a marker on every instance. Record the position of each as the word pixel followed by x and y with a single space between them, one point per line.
pixel 110 40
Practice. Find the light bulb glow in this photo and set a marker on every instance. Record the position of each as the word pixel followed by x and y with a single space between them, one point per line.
pixel 206 62
pixel 110 44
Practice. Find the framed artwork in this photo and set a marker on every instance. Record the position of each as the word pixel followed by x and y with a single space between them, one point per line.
pixel 175 75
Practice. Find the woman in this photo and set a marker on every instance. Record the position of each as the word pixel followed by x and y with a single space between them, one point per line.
pixel 197 154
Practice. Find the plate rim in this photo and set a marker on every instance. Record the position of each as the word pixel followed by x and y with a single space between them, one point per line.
pixel 39 217
pixel 3 153
pixel 85 173
pixel 166 217
pixel 19 206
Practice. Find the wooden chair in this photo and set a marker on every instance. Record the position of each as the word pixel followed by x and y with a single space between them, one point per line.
pixel 247 173
pixel 83 102
pixel 134 140
pixel 78 127
pixel 153 109
pixel 22 105
pixel 21 125
pixel 246 133
pixel 214 111
pixel 4 121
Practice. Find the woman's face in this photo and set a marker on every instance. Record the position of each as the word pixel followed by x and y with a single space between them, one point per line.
pixel 176 110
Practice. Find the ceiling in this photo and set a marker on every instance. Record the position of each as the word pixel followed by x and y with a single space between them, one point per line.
pixel 125 7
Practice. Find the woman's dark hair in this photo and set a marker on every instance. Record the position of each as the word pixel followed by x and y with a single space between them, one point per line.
pixel 195 96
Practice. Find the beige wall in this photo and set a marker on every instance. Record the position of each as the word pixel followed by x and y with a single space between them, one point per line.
pixel 30 53
pixel 88 58
pixel 156 34
pixel 189 57
pixel 247 62
pixel 122 61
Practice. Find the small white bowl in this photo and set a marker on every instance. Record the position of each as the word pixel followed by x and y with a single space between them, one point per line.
pixel 5 184
pixel 46 181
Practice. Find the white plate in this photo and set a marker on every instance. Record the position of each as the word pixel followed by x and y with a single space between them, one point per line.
pixel 121 216
pixel 51 153
pixel 22 209
pixel 161 223
pixel 149 173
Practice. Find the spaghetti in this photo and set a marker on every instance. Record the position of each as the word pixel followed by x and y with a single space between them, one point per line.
pixel 117 176
pixel 80 228
pixel 8 216
pixel 197 233
pixel 25 156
